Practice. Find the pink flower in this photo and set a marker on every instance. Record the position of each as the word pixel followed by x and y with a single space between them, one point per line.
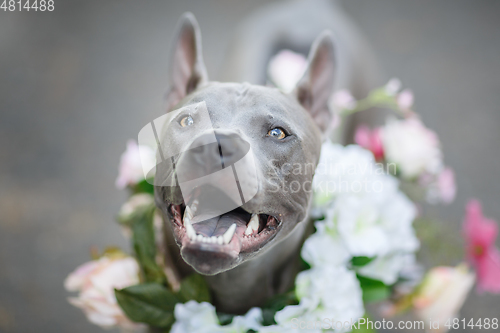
pixel 95 281
pixel 480 234
pixel 130 168
pixel 446 185
pixel 405 99
pixel 343 100
pixel 441 188
pixel 286 68
pixel 371 140
pixel 336 120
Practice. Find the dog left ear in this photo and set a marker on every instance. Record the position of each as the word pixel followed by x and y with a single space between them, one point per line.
pixel 314 89
pixel 187 70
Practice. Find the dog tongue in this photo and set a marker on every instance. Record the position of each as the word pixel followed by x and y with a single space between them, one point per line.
pixel 217 226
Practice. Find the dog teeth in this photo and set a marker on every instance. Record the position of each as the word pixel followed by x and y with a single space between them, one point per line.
pixel 188 213
pixel 253 225
pixel 228 235
pixel 194 206
pixel 202 239
pixel 224 239
pixel 191 233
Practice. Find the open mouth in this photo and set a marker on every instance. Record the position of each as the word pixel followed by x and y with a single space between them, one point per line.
pixel 232 233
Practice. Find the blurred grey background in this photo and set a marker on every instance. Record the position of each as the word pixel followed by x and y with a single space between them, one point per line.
pixel 76 83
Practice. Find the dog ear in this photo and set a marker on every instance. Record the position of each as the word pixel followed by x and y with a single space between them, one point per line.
pixel 316 86
pixel 187 70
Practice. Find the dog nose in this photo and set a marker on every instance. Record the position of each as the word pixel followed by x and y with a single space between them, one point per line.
pixel 232 148
pixel 228 149
pixel 205 152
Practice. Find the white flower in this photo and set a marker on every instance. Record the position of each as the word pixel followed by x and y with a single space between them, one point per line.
pixel 127 210
pixel 282 329
pixel 343 170
pixel 376 223
pixel 392 87
pixel 324 292
pixel 442 294
pixel 96 281
pixel 135 202
pixel 324 248
pixel 193 317
pixel 358 224
pixel 132 162
pixel 387 268
pixel 362 204
pixel 397 215
pixel 241 324
pixel 299 318
pixel 286 69
pixel 412 147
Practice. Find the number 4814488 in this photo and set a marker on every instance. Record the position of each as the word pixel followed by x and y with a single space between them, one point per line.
pixel 481 323
pixel 33 5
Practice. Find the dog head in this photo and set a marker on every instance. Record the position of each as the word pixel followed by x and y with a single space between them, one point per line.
pixel 241 157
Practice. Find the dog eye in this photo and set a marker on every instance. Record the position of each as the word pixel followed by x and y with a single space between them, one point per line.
pixel 277 133
pixel 186 121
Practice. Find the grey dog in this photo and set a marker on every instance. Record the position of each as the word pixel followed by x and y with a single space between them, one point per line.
pixel 251 252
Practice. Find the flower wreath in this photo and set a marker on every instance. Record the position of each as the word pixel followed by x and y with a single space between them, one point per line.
pixel 364 242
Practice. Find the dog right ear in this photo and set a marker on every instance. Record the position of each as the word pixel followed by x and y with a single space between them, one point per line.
pixel 316 86
pixel 187 70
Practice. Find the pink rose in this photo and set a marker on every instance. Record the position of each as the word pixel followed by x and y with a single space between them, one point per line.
pixel 440 188
pixel 446 185
pixel 286 69
pixel 131 167
pixel 405 100
pixel 414 148
pixel 343 100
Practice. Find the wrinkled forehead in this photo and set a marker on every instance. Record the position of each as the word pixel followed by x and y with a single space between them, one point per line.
pixel 226 101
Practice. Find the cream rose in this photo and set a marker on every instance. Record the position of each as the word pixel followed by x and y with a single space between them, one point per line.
pixel 442 294
pixel 95 281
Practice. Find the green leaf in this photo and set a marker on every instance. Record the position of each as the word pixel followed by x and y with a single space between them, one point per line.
pixel 149 303
pixel 361 261
pixel 225 318
pixel 373 290
pixel 276 304
pixel 303 265
pixel 145 246
pixel 144 187
pixel 195 288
